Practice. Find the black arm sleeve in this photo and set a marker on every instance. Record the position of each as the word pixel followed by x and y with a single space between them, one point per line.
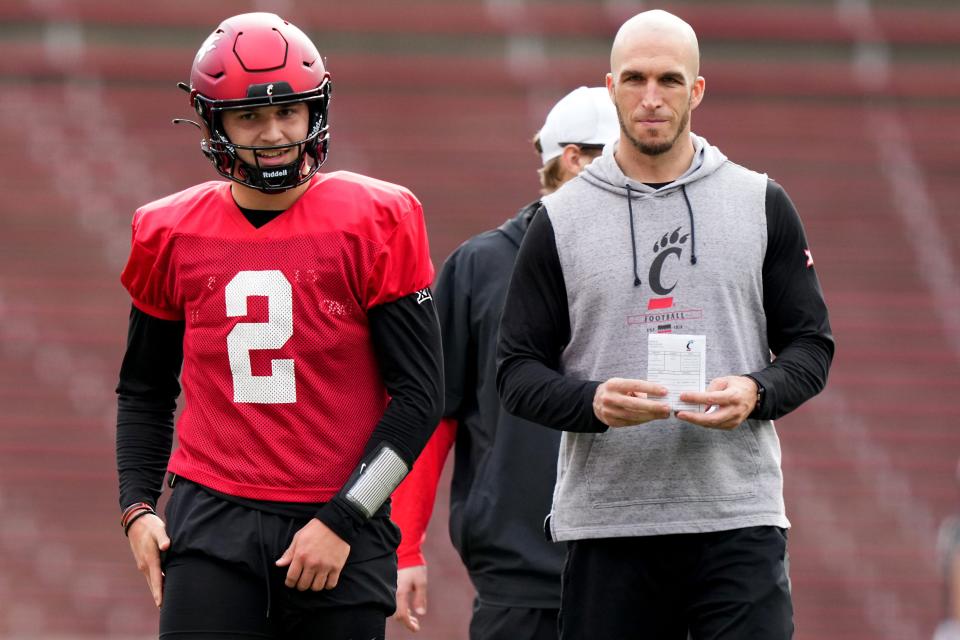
pixel 146 401
pixel 534 329
pixel 406 339
pixel 798 326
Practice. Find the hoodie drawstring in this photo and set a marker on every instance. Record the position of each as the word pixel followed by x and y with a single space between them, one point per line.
pixel 633 237
pixel 693 235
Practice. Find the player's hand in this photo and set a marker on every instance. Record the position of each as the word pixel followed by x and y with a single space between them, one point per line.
pixel 733 396
pixel 411 596
pixel 315 558
pixel 621 402
pixel 148 537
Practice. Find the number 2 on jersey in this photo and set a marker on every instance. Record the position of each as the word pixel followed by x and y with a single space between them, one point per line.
pixel 280 386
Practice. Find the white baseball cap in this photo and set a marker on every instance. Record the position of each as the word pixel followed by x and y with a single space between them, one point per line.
pixel 583 116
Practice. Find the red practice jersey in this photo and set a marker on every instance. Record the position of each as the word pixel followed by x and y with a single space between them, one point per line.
pixel 281 385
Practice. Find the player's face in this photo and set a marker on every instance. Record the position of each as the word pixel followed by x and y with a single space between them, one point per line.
pixel 266 127
pixel 654 88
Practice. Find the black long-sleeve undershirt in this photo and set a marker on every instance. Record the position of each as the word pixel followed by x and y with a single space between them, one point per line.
pixel 406 340
pixel 798 326
pixel 146 401
pixel 535 329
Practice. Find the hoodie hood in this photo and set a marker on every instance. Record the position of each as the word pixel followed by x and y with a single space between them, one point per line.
pixel 604 172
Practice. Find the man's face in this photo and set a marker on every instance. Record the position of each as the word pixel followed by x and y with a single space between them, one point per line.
pixel 654 89
pixel 266 127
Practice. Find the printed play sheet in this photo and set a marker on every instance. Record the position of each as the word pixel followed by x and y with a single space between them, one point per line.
pixel 678 362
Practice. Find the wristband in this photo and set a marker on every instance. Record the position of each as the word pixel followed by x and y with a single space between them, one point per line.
pixel 134 512
pixel 136 516
pixel 378 475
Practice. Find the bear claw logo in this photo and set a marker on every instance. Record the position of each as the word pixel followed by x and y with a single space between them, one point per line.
pixel 661 316
pixel 666 246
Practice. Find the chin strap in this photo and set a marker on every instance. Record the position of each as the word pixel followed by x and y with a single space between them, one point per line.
pixel 273 179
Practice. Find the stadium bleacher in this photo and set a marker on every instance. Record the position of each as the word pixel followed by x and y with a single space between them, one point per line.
pixel 852 106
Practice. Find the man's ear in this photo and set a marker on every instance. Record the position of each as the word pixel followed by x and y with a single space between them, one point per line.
pixel 570 161
pixel 696 94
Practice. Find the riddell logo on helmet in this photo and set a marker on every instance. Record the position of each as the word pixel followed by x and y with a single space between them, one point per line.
pixel 275 174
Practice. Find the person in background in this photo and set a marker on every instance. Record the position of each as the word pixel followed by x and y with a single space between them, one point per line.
pixel 948 550
pixel 297 305
pixel 673 515
pixel 504 469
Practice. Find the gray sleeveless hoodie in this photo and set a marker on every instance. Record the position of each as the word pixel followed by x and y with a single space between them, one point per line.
pixel 686 258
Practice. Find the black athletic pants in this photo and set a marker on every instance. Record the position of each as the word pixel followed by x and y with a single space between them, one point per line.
pixel 492 622
pixel 724 585
pixel 221 581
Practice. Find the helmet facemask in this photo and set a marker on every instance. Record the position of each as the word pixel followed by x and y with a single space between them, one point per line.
pixel 311 151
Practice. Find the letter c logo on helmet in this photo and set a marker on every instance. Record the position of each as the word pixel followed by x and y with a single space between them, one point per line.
pixel 255 60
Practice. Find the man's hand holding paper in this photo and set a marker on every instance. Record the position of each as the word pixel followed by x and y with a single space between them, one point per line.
pixel 623 402
pixel 676 366
pixel 733 396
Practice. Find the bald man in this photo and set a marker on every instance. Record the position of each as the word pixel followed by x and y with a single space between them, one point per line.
pixel 663 311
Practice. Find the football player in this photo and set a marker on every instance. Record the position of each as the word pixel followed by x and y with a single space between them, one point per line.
pixel 297 306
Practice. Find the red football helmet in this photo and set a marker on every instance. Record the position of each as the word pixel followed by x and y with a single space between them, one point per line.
pixel 256 60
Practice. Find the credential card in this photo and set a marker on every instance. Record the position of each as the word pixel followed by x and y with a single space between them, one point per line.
pixel 678 362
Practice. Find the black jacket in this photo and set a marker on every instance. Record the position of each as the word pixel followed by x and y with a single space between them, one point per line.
pixel 505 467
